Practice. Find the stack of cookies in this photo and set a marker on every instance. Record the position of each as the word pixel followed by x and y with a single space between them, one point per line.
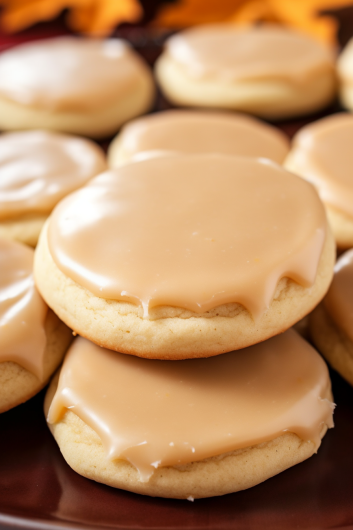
pixel 187 263
pixel 182 268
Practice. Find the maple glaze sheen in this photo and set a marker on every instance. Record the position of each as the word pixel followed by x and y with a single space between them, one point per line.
pixel 194 232
pixel 69 73
pixel 22 310
pixel 201 132
pixel 339 300
pixel 254 52
pixel 39 168
pixel 322 153
pixel 162 413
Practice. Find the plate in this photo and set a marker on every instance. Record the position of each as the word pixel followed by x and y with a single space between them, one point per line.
pixel 38 490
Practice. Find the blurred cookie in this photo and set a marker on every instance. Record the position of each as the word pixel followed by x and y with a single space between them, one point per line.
pixel 33 341
pixel 75 85
pixel 331 323
pixel 186 256
pixel 187 131
pixel 194 428
pixel 345 75
pixel 267 70
pixel 38 169
pixel 322 153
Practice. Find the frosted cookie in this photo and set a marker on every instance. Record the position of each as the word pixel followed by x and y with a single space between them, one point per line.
pixel 74 85
pixel 331 324
pixel 33 341
pixel 186 256
pixel 345 75
pixel 322 153
pixel 266 70
pixel 195 428
pixel 190 131
pixel 38 169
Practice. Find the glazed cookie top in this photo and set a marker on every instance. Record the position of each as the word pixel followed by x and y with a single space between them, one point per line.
pixel 39 168
pixel 339 300
pixel 190 231
pixel 279 385
pixel 69 73
pixel 22 310
pixel 322 153
pixel 254 52
pixel 199 132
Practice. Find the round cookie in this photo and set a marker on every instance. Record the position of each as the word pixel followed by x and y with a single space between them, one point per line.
pixel 33 340
pixel 186 256
pixel 187 131
pixel 75 85
pixel 38 169
pixel 345 75
pixel 322 153
pixel 266 70
pixel 331 322
pixel 195 428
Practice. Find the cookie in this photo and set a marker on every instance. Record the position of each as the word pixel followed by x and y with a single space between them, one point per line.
pixel 38 169
pixel 74 85
pixel 186 256
pixel 345 75
pixel 33 341
pixel 331 322
pixel 190 429
pixel 187 131
pixel 266 70
pixel 322 153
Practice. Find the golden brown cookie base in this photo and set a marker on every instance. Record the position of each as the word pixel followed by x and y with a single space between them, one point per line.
pixel 17 384
pixel 226 473
pixel 333 343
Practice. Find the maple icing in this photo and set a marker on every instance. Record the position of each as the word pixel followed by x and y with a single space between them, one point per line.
pixel 322 153
pixel 203 132
pixel 69 73
pixel 253 52
pixel 22 310
pixel 339 300
pixel 166 413
pixel 194 232
pixel 39 168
